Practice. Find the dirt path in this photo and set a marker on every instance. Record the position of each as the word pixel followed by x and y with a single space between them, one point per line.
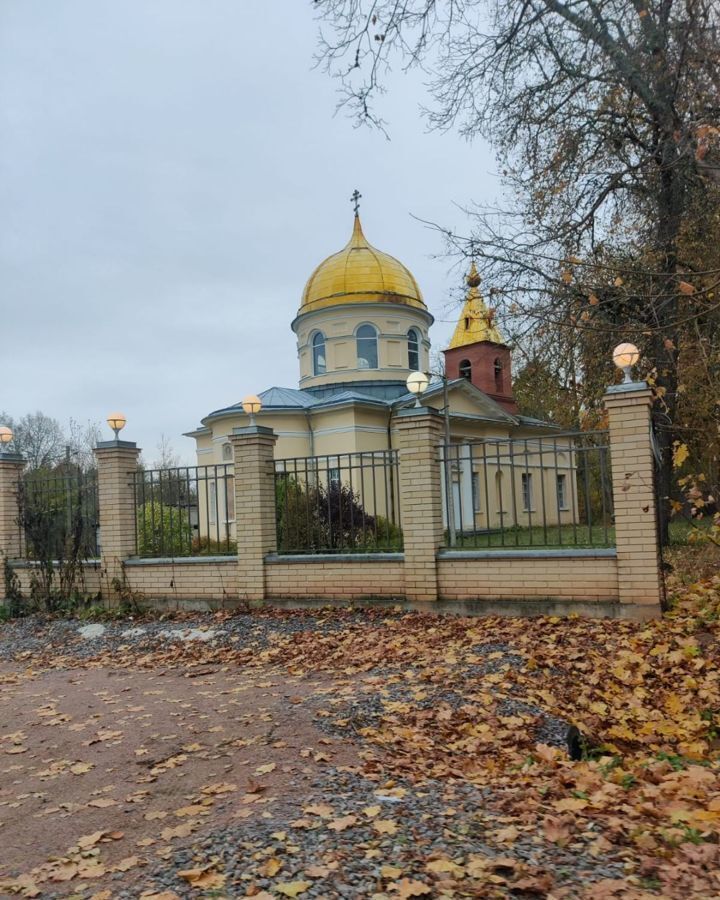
pixel 109 770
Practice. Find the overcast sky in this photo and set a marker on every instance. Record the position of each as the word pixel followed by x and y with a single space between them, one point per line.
pixel 171 171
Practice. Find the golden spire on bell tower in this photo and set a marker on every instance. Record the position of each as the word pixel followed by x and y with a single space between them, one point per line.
pixel 476 322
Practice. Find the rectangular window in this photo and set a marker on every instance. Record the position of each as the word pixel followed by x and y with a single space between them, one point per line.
pixel 334 476
pixel 476 491
pixel 562 492
pixel 527 494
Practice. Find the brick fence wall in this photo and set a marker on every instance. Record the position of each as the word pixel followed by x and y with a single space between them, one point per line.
pixel 625 581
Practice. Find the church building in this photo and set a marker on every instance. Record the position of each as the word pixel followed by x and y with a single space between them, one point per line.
pixel 362 328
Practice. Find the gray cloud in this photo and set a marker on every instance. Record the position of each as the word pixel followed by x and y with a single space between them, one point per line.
pixel 170 174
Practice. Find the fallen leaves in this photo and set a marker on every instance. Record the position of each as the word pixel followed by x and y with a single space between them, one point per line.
pixel 292 888
pixel 385 826
pixel 409 887
pixel 204 877
pixel 441 701
pixel 179 831
pixel 342 824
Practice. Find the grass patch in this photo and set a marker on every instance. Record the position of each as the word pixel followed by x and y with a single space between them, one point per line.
pixel 580 536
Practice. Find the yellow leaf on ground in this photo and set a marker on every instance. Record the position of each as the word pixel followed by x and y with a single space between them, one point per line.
pixel 507 835
pixel 184 830
pixel 64 871
pixel 343 823
pixel 128 863
pixel 89 840
pixel 390 871
pixel 193 810
pixel 372 811
pixel 385 826
pixel 203 877
pixel 220 788
pixel 271 867
pixel 293 888
pixel 409 888
pixel 570 804
pixel 319 809
pixel 266 769
pixel 91 869
pixel 445 866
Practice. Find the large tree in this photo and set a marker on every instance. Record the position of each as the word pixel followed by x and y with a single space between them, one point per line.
pixel 605 118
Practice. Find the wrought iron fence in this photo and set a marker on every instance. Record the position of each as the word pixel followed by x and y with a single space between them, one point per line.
pixel 185 511
pixel 551 491
pixel 343 503
pixel 58 515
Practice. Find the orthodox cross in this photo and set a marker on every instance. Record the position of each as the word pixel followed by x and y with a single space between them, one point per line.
pixel 356 195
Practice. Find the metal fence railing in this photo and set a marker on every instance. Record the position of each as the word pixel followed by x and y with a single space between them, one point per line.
pixel 58 515
pixel 185 511
pixel 343 503
pixel 549 491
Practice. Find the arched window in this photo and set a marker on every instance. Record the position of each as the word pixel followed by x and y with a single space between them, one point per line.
pixel 227 452
pixel 367 347
pixel 413 339
pixel 498 369
pixel 318 352
pixel 465 369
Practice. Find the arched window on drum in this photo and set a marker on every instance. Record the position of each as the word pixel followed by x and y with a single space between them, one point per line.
pixel 318 353
pixel 367 347
pixel 413 341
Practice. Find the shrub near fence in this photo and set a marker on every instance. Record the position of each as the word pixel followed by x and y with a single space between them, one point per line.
pixel 185 511
pixel 343 503
pixel 58 515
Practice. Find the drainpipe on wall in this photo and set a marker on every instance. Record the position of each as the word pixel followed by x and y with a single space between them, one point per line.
pixel 312 433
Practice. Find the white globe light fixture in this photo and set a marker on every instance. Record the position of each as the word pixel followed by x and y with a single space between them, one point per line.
pixel 625 356
pixel 417 383
pixel 117 422
pixel 6 435
pixel 252 405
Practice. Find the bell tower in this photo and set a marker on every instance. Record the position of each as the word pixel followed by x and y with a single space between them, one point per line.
pixel 477 351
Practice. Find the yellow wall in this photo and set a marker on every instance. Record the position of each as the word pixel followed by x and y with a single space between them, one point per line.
pixel 339 325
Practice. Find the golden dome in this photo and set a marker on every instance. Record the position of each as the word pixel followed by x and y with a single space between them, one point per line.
pixel 476 322
pixel 360 274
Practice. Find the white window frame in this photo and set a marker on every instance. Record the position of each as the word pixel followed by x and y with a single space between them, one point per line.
pixel 316 347
pixel 359 338
pixel 561 492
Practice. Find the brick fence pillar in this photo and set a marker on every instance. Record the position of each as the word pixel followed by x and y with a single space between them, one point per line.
pixel 633 478
pixel 255 526
pixel 11 468
pixel 417 435
pixel 116 461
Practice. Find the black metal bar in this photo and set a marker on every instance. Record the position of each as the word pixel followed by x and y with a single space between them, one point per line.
pixel 542 492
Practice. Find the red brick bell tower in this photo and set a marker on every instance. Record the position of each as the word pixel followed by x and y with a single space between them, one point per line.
pixel 477 351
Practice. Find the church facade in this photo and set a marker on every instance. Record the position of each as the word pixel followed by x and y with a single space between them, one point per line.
pixel 362 328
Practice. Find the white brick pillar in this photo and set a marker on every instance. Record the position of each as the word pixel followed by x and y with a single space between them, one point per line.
pixel 11 468
pixel 417 435
pixel 117 462
pixel 255 525
pixel 633 479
